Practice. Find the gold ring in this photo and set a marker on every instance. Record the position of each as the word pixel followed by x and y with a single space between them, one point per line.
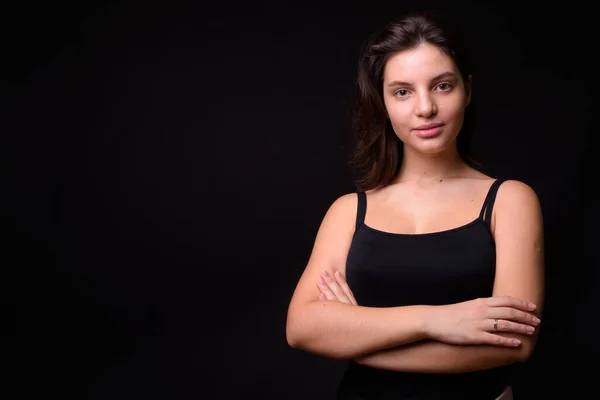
pixel 495 325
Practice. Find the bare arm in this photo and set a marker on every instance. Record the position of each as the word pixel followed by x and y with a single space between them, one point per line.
pixel 334 329
pixel 436 357
pixel 518 231
pixel 342 331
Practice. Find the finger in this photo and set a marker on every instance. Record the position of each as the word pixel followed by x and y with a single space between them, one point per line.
pixel 508 326
pixel 344 285
pixel 497 340
pixel 514 315
pixel 335 288
pixel 324 297
pixel 325 292
pixel 341 280
pixel 510 301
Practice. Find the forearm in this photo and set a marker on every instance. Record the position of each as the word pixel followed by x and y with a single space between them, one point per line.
pixel 429 356
pixel 345 331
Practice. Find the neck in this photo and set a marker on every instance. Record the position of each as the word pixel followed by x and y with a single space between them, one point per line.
pixel 430 168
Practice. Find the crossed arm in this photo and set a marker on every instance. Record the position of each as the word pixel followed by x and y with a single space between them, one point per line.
pixel 519 274
pixel 432 356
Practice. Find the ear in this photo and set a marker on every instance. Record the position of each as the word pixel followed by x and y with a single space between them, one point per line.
pixel 468 90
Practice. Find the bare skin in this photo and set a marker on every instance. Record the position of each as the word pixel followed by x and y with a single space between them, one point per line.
pixel 434 191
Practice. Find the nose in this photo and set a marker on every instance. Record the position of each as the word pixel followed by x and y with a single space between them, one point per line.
pixel 425 106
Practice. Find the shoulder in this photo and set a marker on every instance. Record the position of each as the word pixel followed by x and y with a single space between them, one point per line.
pixel 513 192
pixel 339 220
pixel 344 206
pixel 517 201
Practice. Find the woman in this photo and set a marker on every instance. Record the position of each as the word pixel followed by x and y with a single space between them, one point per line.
pixel 430 278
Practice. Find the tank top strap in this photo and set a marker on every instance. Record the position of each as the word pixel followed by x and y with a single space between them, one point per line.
pixel 361 209
pixel 488 203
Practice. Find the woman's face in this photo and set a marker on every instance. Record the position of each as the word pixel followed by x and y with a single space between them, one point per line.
pixel 425 97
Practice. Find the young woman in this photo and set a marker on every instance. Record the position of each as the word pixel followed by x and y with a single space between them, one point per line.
pixel 430 278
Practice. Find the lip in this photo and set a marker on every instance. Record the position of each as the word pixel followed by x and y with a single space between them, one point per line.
pixel 429 130
pixel 428 126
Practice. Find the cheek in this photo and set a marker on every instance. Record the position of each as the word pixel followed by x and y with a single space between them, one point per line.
pixel 400 123
pixel 399 116
pixel 452 106
pixel 455 110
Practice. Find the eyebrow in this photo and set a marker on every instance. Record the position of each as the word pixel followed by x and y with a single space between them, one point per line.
pixel 446 74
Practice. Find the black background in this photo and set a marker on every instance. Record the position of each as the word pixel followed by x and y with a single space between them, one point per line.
pixel 165 167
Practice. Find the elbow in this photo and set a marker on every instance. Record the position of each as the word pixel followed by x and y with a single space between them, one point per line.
pixel 526 350
pixel 525 354
pixel 292 337
pixel 301 338
pixel 302 332
pixel 317 348
pixel 296 329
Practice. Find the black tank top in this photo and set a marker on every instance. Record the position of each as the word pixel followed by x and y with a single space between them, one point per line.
pixel 392 269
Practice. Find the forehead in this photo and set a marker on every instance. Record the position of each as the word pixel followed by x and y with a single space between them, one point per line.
pixel 422 62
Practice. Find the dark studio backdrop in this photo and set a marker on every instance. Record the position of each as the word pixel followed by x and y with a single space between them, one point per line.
pixel 165 168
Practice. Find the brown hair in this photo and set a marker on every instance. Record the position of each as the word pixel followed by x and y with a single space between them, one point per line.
pixel 377 152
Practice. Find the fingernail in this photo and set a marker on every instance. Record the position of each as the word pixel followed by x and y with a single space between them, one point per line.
pixel 530 329
pixel 338 274
pixel 532 306
pixel 536 320
pixel 516 342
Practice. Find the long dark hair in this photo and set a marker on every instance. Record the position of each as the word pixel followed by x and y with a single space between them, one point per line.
pixel 377 152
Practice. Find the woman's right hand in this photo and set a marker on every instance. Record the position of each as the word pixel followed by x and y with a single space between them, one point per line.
pixel 479 321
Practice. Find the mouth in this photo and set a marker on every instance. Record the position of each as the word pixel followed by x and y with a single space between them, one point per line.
pixel 429 130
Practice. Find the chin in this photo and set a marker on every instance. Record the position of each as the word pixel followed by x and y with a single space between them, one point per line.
pixel 432 146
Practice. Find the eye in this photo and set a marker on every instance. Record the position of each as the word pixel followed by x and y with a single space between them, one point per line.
pixel 445 86
pixel 401 93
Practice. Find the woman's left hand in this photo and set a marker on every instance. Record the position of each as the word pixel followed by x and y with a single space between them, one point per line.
pixel 335 288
